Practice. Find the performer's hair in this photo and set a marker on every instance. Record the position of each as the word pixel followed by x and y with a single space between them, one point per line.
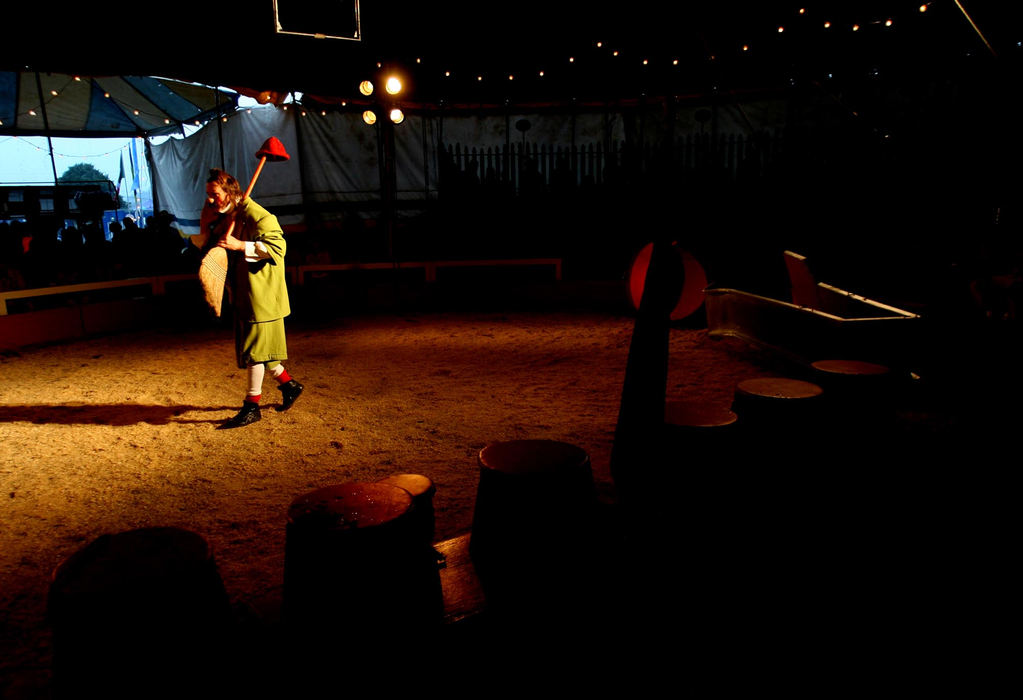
pixel 226 182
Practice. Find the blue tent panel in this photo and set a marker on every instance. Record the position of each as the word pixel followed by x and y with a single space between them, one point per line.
pixel 104 115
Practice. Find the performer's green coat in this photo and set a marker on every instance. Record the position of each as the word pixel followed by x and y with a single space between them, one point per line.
pixel 259 290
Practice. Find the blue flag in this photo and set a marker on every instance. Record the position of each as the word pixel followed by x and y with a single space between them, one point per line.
pixel 133 154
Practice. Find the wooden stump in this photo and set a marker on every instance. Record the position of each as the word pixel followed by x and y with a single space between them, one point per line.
pixel 357 567
pixel 775 409
pixel 533 523
pixel 860 394
pixel 422 490
pixel 134 607
pixel 699 426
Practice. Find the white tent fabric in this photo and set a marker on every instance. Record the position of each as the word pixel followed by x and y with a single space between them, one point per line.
pixel 335 157
pixel 181 166
pixel 343 162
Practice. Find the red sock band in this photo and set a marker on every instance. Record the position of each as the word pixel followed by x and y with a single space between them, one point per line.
pixel 284 377
pixel 254 399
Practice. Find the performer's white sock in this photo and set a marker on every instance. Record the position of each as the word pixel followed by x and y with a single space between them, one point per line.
pixel 280 374
pixel 255 382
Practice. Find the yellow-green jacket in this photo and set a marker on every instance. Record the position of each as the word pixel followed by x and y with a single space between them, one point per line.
pixel 259 289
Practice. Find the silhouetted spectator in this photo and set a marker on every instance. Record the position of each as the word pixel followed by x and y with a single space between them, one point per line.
pixel 11 258
pixel 167 244
pixel 97 255
pixel 43 257
pixel 69 261
pixel 129 250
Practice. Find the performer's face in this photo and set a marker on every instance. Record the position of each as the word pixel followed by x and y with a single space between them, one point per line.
pixel 217 198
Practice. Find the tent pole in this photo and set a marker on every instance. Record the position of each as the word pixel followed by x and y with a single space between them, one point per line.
pixel 302 177
pixel 46 125
pixel 220 128
pixel 152 175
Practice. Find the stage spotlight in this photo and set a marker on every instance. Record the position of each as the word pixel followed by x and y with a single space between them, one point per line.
pixel 369 116
pixel 393 85
pixel 366 88
pixel 397 116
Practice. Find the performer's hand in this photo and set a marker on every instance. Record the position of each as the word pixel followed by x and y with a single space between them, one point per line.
pixel 229 241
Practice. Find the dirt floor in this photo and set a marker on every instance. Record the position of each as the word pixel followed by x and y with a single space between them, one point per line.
pixel 110 434
pixel 115 433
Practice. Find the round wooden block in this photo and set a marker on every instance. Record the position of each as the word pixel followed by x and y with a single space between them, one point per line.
pixel 134 606
pixel 532 496
pixel 355 505
pixel 416 484
pixel 855 368
pixel 353 552
pixel 777 388
pixel 532 457
pixel 126 560
pixel 859 392
pixel 693 414
pixel 422 490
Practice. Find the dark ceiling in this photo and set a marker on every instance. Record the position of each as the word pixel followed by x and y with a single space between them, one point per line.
pixel 211 45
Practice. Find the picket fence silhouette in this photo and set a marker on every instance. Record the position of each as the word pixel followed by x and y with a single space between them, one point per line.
pixel 524 168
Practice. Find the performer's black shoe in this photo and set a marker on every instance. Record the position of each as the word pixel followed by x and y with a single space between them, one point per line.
pixel 290 390
pixel 248 414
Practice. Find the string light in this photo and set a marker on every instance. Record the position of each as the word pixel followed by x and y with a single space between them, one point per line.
pixel 571 59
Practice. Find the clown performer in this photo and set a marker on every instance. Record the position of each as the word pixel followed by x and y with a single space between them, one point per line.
pixel 256 287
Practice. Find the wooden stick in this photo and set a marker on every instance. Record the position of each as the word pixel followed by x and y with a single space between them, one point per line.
pixel 252 182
